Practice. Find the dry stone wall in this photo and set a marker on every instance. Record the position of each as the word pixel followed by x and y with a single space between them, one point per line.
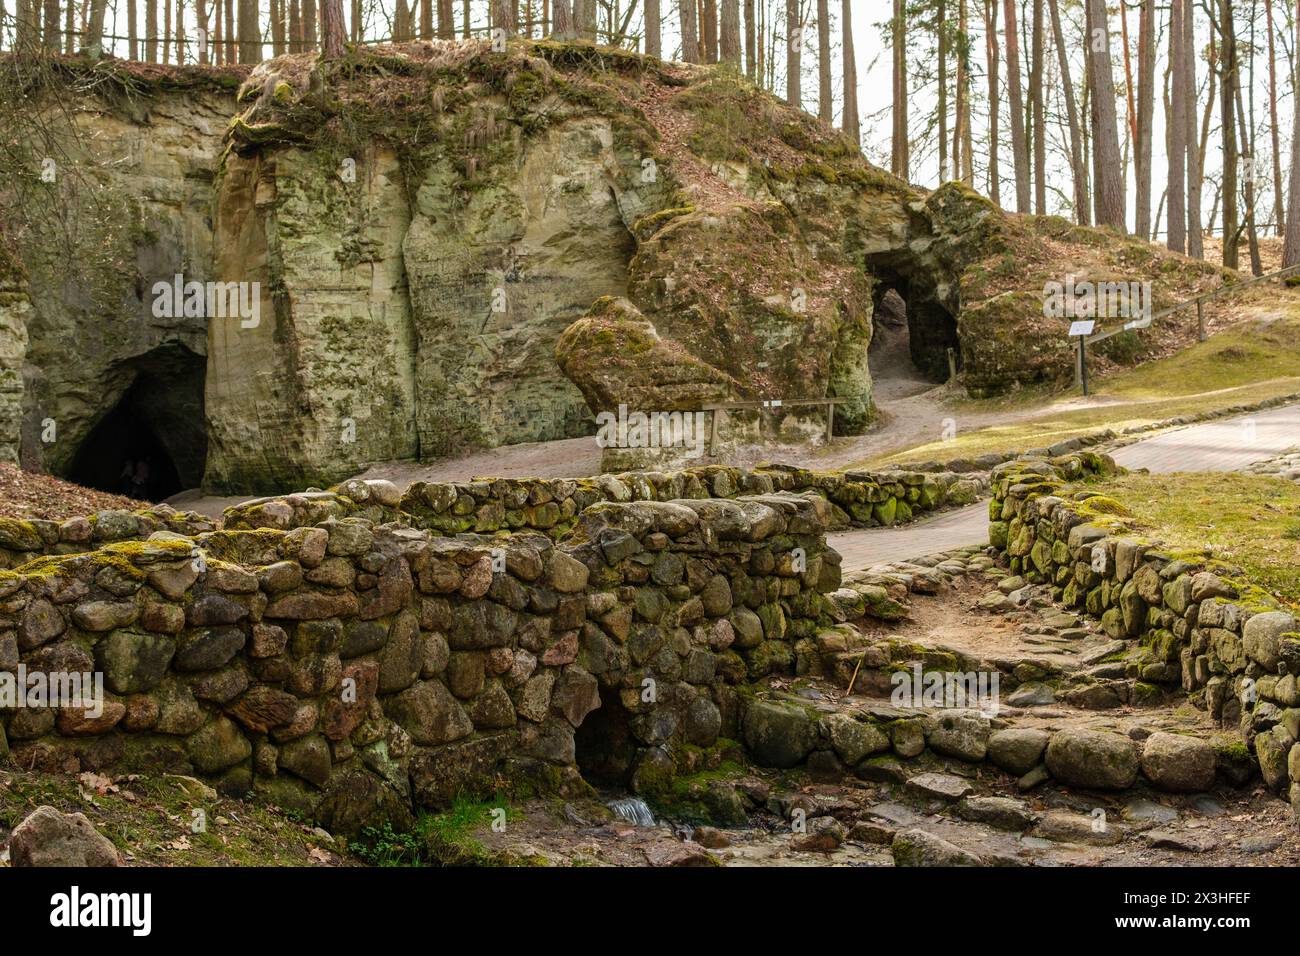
pixel 24 540
pixel 1233 648
pixel 854 498
pixel 359 670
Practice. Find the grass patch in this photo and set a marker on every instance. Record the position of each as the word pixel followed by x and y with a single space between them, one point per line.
pixel 1250 522
pixel 1246 364
pixel 150 819
pixel 441 839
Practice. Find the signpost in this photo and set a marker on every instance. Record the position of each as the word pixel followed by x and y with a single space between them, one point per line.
pixel 1081 330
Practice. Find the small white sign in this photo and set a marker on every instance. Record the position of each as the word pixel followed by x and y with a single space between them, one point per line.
pixel 1082 328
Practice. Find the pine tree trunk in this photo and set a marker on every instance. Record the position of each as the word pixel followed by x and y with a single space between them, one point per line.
pixel 1195 146
pixel 250 32
pixel 1228 126
pixel 751 41
pixel 1078 168
pixel 1176 234
pixel 446 20
pixel 309 23
pixel 1145 113
pixel 1038 120
pixel 331 29
pixel 1019 147
pixel 654 44
pixel 1273 129
pixel 1108 171
pixel 793 55
pixel 901 155
pixel 584 18
pixel 852 122
pixel 991 55
pixel 563 20
pixel 1291 244
pixel 710 21
pixel 825 95
pixel 503 16
pixel 941 107
pixel 962 140
pixel 277 27
pixel 729 33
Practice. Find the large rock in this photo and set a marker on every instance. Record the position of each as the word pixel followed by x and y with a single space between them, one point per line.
pixel 1178 763
pixel 1017 750
pixel 50 838
pixel 778 734
pixel 1092 760
pixel 918 848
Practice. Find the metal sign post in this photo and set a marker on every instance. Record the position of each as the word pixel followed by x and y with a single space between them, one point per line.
pixel 1081 330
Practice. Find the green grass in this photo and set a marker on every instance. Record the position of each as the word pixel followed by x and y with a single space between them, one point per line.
pixel 151 818
pixel 441 839
pixel 1250 522
pixel 1241 366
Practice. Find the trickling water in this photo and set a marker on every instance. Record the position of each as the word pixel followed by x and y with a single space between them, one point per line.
pixel 633 810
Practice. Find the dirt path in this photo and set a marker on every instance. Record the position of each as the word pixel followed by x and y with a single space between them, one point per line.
pixel 1228 445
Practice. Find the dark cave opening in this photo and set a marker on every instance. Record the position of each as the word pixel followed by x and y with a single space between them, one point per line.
pixel 911 325
pixel 152 442
pixel 605 749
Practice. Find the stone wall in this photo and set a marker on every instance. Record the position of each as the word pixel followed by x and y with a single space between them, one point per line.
pixel 855 499
pixel 1233 648
pixel 25 539
pixel 357 670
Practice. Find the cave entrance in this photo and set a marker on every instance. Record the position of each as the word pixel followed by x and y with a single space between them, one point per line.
pixel 604 747
pixel 152 441
pixel 911 338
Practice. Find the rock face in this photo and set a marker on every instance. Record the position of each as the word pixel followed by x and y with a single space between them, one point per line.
pixel 424 244
pixel 50 838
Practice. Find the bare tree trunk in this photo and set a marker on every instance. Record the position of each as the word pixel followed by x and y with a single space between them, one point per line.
pixel 1273 129
pixel 1145 113
pixel 901 154
pixel 1019 148
pixel 332 32
pixel 1291 245
pixel 446 20
pixel 278 40
pixel 294 39
pixel 793 55
pixel 309 23
pixel 941 107
pixel 250 32
pixel 729 33
pixel 852 123
pixel 50 31
pixel 710 22
pixel 1108 171
pixel 503 17
pixel 751 41
pixel 825 95
pixel 653 30
pixel 991 54
pixel 230 30
pixel 563 21
pixel 1078 168
pixel 584 19
pixel 1038 119
pixel 962 139
pixel 1195 145
pixel 1176 235
pixel 1227 108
